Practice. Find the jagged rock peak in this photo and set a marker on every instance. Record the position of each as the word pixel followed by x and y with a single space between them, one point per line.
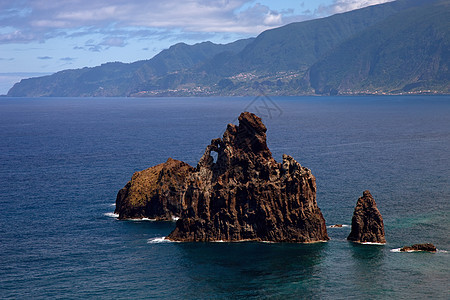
pixel 367 222
pixel 247 195
pixel 251 134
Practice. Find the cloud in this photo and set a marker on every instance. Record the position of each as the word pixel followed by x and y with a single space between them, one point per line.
pixel 39 20
pixel 17 36
pixel 340 6
pixel 118 21
pixel 67 59
pixel 272 19
pixel 45 57
pixel 114 42
pixel 106 43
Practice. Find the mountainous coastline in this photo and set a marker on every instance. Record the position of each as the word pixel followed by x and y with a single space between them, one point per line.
pixel 393 48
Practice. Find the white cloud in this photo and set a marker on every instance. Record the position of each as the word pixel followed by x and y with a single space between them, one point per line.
pixel 340 6
pixel 16 36
pixel 272 19
pixel 114 42
pixel 40 20
pixel 43 19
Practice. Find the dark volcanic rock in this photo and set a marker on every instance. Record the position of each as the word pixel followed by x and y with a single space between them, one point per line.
pixel 420 247
pixel 244 195
pixel 247 195
pixel 154 193
pixel 367 223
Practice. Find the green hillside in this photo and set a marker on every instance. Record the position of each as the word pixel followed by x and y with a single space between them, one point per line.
pixel 409 51
pixel 120 79
pixel 297 46
pixel 395 47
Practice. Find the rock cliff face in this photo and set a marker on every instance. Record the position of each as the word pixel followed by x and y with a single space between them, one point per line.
pixel 247 195
pixel 244 195
pixel 154 193
pixel 367 222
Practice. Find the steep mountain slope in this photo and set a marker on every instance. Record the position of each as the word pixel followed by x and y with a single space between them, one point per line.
pixel 409 51
pixel 278 59
pixel 297 46
pixel 396 47
pixel 120 79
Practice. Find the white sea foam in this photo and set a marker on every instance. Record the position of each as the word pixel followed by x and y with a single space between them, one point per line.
pixel 371 243
pixel 142 219
pixel 158 240
pixel 409 251
pixel 111 215
pixel 238 241
pixel 112 204
pixel 334 226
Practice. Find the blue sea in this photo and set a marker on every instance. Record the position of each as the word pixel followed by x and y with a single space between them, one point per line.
pixel 62 161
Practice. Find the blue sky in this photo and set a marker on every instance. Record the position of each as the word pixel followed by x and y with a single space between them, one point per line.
pixel 42 37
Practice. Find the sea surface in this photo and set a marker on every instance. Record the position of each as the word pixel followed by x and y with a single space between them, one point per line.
pixel 62 161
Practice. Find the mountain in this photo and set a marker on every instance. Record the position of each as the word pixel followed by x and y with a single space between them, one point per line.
pixel 297 46
pixel 121 79
pixel 395 47
pixel 409 51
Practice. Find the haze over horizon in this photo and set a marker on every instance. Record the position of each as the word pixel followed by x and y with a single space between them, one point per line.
pixel 40 37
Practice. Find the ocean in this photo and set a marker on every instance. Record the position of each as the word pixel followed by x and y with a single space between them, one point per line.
pixel 63 160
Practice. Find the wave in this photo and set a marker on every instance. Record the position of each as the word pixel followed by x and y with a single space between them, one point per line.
pixel 114 204
pixel 409 251
pixel 372 243
pixel 142 219
pixel 111 215
pixel 396 250
pixel 334 226
pixel 158 240
pixel 244 241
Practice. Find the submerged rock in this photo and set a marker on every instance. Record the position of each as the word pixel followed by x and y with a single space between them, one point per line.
pixel 367 222
pixel 419 247
pixel 244 195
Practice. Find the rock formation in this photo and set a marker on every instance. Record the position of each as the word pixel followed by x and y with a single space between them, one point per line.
pixel 367 222
pixel 154 193
pixel 244 195
pixel 247 195
pixel 420 247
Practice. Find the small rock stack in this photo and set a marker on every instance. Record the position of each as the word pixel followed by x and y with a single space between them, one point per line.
pixel 367 222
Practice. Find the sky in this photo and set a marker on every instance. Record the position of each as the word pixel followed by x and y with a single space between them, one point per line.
pixel 39 37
